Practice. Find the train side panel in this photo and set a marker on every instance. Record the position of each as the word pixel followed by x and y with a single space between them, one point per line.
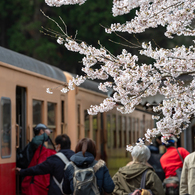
pixel 20 91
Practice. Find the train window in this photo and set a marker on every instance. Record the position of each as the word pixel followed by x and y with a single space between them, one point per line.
pixel 138 134
pixel 134 137
pixel 144 123
pixel 51 120
pixel 5 127
pixel 114 135
pixel 129 137
pixel 125 138
pixel 123 123
pixel 120 139
pixel 124 130
pixel 120 131
pixel 114 130
pixel 95 128
pixel 133 130
pixel 51 113
pixel 37 112
pixel 129 130
pixel 79 121
pixel 62 111
pixel 133 124
pixel 108 131
pixel 141 127
pixel 62 118
pixel 87 124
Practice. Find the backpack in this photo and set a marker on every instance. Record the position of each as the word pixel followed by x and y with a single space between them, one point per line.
pixel 66 161
pixel 84 179
pixel 23 158
pixel 171 185
pixel 37 184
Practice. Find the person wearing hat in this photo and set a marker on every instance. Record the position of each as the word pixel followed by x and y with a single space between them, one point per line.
pixel 171 159
pixel 53 165
pixel 41 135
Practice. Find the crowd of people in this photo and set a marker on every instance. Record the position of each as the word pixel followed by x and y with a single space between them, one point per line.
pixel 77 172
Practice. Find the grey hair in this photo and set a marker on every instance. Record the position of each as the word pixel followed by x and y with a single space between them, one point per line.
pixel 140 153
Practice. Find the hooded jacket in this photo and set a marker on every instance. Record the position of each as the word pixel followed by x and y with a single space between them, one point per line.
pixel 187 182
pixel 128 179
pixel 104 181
pixel 53 166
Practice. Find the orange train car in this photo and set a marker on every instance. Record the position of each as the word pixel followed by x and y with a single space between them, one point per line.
pixel 25 103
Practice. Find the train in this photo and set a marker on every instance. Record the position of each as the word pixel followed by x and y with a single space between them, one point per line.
pixel 25 103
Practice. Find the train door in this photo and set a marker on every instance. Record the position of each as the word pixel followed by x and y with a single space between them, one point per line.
pixel 20 126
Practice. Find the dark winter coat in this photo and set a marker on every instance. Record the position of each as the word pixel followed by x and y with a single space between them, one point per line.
pixel 53 166
pixel 128 179
pixel 104 181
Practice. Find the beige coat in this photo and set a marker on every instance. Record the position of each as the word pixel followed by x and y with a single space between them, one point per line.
pixel 187 183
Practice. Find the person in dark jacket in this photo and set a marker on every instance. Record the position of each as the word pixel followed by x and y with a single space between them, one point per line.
pixel 84 157
pixel 53 165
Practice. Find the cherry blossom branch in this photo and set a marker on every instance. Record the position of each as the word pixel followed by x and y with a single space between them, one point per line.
pixel 133 81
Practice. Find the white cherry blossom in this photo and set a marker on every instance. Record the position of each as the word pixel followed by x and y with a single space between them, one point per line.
pixel 133 81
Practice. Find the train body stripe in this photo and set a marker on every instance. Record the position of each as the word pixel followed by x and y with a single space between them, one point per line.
pixel 8 179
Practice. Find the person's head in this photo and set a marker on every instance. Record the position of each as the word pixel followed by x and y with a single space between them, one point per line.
pixel 171 142
pixel 86 145
pixel 140 154
pixel 40 129
pixel 62 142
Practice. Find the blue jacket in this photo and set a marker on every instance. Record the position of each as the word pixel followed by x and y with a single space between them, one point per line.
pixel 104 181
pixel 53 166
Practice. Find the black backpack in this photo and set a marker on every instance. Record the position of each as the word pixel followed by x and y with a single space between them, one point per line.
pixel 23 158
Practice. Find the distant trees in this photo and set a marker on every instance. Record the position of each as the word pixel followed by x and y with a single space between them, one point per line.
pixel 21 23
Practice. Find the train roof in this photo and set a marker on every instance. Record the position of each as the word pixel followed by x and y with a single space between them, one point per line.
pixel 91 85
pixel 31 64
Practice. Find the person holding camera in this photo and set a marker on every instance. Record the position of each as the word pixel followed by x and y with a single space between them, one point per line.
pixel 41 135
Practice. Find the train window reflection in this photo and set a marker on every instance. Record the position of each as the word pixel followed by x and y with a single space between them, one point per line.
pixel 37 112
pixel 5 127
pixel 51 113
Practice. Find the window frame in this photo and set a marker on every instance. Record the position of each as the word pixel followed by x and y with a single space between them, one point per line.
pixel 7 156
